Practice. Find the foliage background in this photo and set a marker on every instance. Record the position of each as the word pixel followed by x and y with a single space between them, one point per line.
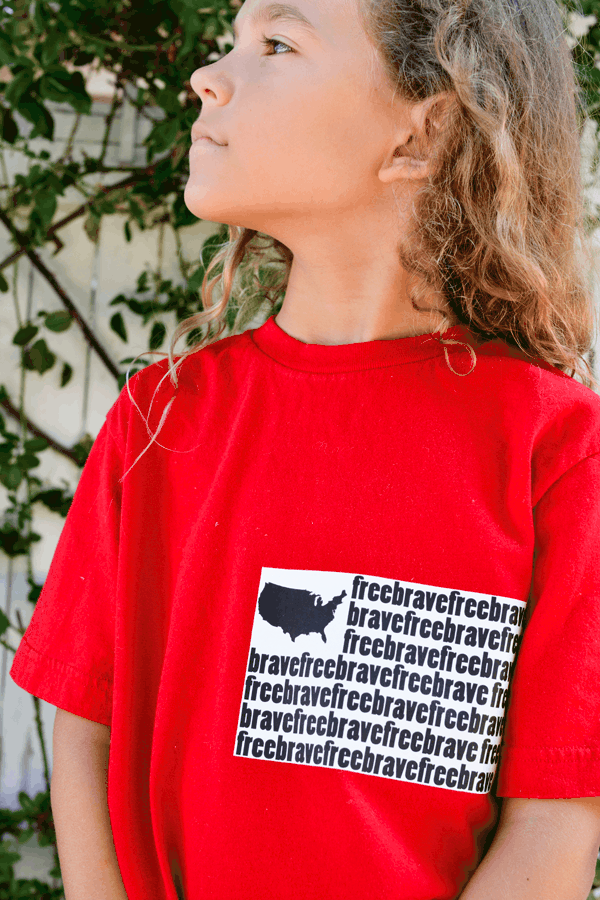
pixel 47 48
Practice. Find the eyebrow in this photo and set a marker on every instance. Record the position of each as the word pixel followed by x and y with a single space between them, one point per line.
pixel 271 12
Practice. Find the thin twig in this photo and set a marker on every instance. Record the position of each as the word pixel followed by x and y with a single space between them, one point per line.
pixel 40 731
pixel 67 154
pixel 39 432
pixel 21 241
pixel 116 103
pixel 106 189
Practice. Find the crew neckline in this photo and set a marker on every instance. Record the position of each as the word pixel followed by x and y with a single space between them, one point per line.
pixel 295 354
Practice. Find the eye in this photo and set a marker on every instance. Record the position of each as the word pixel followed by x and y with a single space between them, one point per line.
pixel 272 42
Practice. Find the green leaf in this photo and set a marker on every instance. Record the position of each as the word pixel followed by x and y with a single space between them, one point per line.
pixel 90 165
pixel 142 283
pixel 82 58
pixel 45 205
pixel 211 28
pixel 65 87
pixel 11 477
pixel 52 88
pixel 3 284
pixel 39 17
pixel 7 54
pixel 66 373
pixel 10 130
pixel 118 326
pixel 162 137
pixel 163 171
pixel 58 321
pixel 69 176
pixel 127 229
pixel 51 48
pixel 192 27
pixel 167 99
pixel 54 499
pixel 4 623
pixel 91 226
pixel 19 86
pixel 79 98
pixel 39 116
pixel 33 596
pixel 182 217
pixel 195 282
pixel 157 335
pixel 27 803
pixel 27 461
pixel 35 444
pixel 39 357
pixel 189 117
pixel 137 212
pixel 116 301
pixel 25 334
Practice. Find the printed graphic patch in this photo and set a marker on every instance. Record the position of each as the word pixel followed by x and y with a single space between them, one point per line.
pixel 385 677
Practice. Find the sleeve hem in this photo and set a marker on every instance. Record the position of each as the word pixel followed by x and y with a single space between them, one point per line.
pixel 550 772
pixel 62 685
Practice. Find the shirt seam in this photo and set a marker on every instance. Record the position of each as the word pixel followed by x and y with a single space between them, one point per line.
pixel 365 368
pixel 100 681
pixel 593 455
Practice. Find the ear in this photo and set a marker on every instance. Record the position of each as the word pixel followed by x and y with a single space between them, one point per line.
pixel 411 158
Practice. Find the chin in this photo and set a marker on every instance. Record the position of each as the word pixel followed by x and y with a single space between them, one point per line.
pixel 201 207
pixel 214 207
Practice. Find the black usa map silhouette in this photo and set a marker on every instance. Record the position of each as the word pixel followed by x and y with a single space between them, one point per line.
pixel 296 611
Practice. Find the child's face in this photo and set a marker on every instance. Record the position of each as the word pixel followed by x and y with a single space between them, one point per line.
pixel 306 132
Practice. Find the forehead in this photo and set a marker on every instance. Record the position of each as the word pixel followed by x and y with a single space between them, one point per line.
pixel 269 12
pixel 307 14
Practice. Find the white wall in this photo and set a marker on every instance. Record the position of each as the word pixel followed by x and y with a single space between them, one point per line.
pixel 92 275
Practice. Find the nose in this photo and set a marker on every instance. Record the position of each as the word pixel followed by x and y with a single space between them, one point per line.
pixel 208 85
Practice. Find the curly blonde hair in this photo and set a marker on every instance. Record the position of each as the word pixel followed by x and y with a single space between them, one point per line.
pixel 499 227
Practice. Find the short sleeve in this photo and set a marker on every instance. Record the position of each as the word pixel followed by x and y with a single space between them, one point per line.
pixel 66 654
pixel 551 746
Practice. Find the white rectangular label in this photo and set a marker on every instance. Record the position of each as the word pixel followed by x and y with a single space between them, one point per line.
pixel 384 677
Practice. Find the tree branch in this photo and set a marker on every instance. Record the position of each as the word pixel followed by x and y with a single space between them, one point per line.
pixel 38 432
pixel 51 233
pixel 20 239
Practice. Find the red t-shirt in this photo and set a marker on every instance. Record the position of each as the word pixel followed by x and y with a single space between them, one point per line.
pixel 301 623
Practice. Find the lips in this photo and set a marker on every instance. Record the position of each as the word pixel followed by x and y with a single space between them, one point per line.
pixel 199 131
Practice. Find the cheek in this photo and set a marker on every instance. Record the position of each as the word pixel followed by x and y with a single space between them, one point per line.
pixel 308 140
pixel 293 146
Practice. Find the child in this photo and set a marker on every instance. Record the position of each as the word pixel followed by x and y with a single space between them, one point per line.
pixel 299 612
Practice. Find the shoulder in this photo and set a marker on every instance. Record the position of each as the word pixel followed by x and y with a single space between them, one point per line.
pixel 148 391
pixel 557 415
pixel 191 368
pixel 543 388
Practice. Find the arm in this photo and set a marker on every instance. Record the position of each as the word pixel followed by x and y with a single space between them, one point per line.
pixel 78 794
pixel 542 850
